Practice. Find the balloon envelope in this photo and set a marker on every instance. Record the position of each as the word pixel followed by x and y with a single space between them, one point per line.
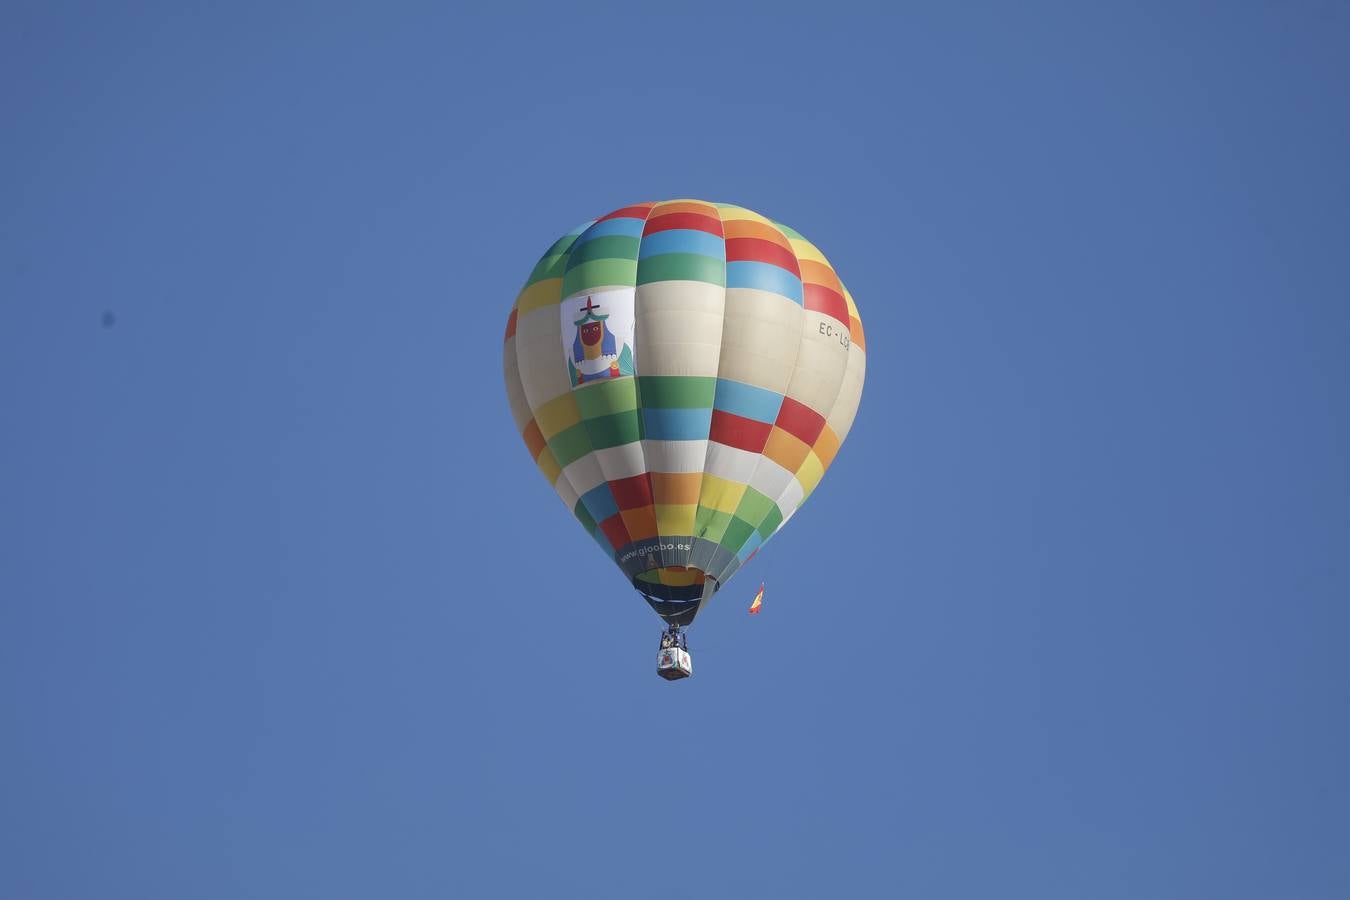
pixel 683 373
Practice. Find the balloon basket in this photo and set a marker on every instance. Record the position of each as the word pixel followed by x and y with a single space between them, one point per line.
pixel 674 663
pixel 673 660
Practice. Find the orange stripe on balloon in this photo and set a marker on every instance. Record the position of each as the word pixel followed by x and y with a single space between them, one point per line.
pixel 786 450
pixel 676 488
pixel 534 438
pixel 826 446
pixel 640 522
pixel 855 333
pixel 697 207
pixel 815 273
pixel 746 228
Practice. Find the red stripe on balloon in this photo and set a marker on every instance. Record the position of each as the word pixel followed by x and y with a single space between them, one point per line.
pixel 800 421
pixel 692 221
pixel 632 493
pixel 738 431
pixel 821 299
pixel 615 531
pixel 639 211
pixel 757 250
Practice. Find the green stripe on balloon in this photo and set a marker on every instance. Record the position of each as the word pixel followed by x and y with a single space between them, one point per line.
pixel 677 391
pixel 613 431
pixel 754 506
pixel 711 524
pixel 606 397
pixel 570 445
pixel 584 516
pixel 682 267
pixel 548 267
pixel 614 246
pixel 771 522
pixel 599 273
pixel 564 243
pixel 737 533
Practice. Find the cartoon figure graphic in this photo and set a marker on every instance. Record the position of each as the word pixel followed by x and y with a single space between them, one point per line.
pixel 596 352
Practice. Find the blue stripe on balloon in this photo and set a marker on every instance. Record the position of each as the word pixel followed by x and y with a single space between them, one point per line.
pixel 683 240
pixel 660 424
pixel 599 502
pixel 764 277
pixel 747 401
pixel 610 227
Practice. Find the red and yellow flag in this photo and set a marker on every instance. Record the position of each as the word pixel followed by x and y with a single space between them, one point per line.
pixel 759 598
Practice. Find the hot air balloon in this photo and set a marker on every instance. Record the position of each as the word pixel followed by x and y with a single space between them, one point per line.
pixel 683 373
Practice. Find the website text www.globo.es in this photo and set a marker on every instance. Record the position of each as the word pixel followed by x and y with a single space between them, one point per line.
pixel 651 548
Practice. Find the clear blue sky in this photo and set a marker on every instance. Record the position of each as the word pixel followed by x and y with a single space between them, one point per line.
pixel 285 610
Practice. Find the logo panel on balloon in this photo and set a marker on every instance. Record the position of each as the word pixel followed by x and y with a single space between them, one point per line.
pixel 597 335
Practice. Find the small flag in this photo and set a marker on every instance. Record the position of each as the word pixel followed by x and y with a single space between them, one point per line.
pixel 759 598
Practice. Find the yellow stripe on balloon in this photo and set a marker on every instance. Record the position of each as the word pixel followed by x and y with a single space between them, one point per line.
pixel 810 473
pixel 539 295
pixel 806 250
pixel 557 415
pixel 676 519
pixel 737 213
pixel 549 466
pixel 720 494
pixel 681 577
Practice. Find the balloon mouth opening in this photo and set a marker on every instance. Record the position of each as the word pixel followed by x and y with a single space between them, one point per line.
pixel 676 593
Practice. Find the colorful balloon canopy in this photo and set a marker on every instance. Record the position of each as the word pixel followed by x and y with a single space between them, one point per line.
pixel 683 373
